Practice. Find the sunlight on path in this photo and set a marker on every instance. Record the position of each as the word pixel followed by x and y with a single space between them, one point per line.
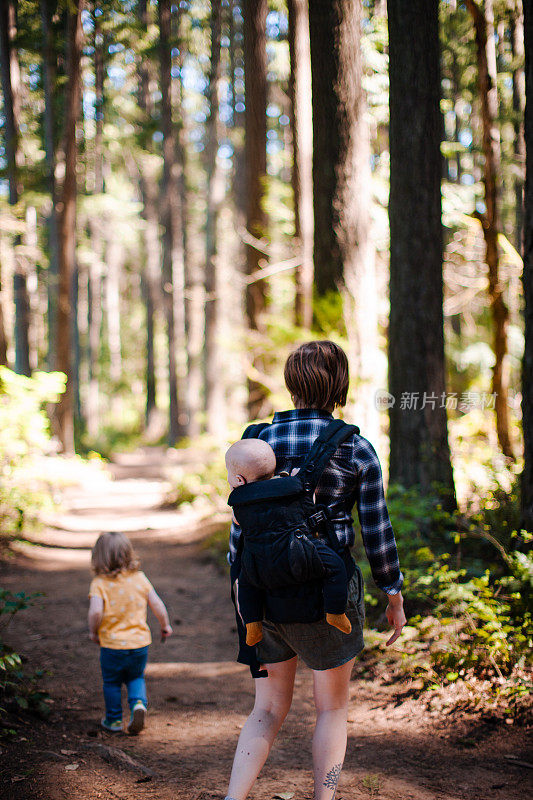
pixel 117 496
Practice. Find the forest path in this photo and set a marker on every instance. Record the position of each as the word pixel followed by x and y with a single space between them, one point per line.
pixel 198 696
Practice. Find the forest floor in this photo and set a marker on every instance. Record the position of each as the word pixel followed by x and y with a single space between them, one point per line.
pixel 398 748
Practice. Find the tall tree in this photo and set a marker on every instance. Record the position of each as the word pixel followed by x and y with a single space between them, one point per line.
pixel 213 386
pixel 517 45
pixel 236 56
pixel 97 226
pixel 148 190
pixel 527 363
pixel 49 59
pixel 490 219
pixel 67 228
pixel 343 247
pixel 255 75
pixel 11 91
pixel 302 143
pixel 419 451
pixel 170 213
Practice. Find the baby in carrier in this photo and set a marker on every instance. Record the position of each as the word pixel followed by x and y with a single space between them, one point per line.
pixel 251 460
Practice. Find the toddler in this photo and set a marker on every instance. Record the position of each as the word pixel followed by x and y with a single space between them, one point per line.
pixel 119 595
pixel 251 460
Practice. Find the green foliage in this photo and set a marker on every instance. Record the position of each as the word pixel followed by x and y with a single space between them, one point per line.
pixel 327 314
pixel 24 435
pixel 216 546
pixel 18 690
pixel 204 481
pixel 468 592
pixel 482 630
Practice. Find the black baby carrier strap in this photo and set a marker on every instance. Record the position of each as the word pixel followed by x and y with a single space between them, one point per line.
pixel 324 446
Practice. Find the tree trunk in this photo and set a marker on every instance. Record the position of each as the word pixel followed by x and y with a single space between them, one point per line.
pixel 150 289
pixel 113 262
pixel 213 378
pixel 151 269
pixel 190 305
pixel 94 325
pixel 328 120
pixel 169 213
pixel 527 363
pixel 99 67
pixel 49 73
pixel 238 107
pixel 490 222
pixel 519 93
pixel 76 348
pixel 456 89
pixel 302 144
pixel 419 451
pixel 11 90
pixel 67 229
pixel 96 228
pixel 342 181
pixel 255 67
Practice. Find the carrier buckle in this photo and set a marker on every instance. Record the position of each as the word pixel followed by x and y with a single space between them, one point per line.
pixel 316 519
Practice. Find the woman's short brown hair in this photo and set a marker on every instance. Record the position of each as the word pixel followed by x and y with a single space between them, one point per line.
pixel 113 553
pixel 317 375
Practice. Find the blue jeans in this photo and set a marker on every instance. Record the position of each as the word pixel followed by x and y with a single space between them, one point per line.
pixel 118 667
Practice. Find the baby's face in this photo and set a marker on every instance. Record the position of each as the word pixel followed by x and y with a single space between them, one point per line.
pixel 236 472
pixel 234 479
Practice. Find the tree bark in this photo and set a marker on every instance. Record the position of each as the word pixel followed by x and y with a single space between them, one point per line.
pixel 236 55
pixel 255 68
pixel 527 278
pixel 419 450
pixel 94 325
pixel 169 214
pixel 148 191
pixel 519 93
pixel 67 229
pixel 11 90
pixel 97 228
pixel 328 120
pixel 490 220
pixel 213 383
pixel 49 74
pixel 345 260
pixel 99 68
pixel 113 262
pixel 302 144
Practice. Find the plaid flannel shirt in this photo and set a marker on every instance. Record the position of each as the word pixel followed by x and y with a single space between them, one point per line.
pixel 353 475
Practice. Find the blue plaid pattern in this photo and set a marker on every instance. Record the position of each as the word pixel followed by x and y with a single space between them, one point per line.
pixel 352 476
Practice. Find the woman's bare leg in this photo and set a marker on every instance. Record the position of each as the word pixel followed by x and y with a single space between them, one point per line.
pixel 329 741
pixel 273 697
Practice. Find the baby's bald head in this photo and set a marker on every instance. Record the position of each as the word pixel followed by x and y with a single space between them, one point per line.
pixel 249 460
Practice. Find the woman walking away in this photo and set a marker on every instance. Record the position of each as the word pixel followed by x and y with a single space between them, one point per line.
pixel 316 375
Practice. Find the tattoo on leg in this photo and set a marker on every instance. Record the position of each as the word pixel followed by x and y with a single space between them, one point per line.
pixel 332 778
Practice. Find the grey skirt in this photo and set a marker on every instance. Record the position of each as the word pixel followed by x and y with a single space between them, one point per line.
pixel 319 645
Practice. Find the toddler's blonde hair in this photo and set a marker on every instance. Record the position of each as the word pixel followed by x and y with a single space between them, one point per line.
pixel 112 554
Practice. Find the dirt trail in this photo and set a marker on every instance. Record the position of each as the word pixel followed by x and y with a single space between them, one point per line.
pixel 198 696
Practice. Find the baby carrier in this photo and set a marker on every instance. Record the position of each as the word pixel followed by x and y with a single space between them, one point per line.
pixel 279 520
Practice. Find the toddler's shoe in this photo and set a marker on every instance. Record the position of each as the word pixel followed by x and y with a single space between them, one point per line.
pixel 115 726
pixel 136 723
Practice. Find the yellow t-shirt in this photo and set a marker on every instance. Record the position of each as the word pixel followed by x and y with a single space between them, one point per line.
pixel 125 597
